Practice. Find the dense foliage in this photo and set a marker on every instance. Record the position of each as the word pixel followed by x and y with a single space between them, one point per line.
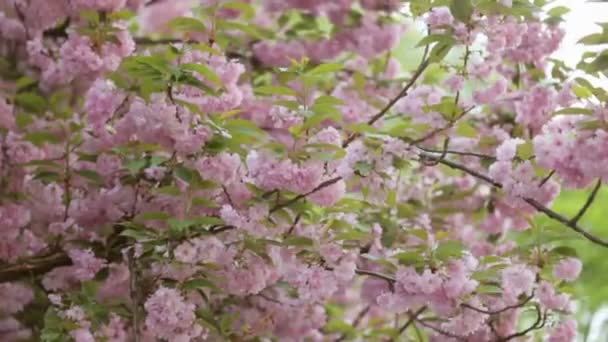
pixel 286 170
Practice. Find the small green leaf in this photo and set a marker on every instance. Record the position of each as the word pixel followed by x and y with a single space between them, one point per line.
pixel 409 258
pixel 187 25
pixel 575 110
pixel 90 175
pixel 436 38
pixel 565 251
pixel 363 168
pixel 324 69
pixel 31 102
pixel 462 10
pixel 558 11
pixel 525 151
pixel 198 283
pixel 275 90
pixel 466 130
pixel 581 92
pixel 449 249
pixel 151 216
pixel 138 234
pixel 299 241
pixel 205 71
pixel 439 51
pixel 40 138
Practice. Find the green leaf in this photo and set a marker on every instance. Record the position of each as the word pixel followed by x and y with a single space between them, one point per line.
pixel 594 39
pixel 248 28
pixel 439 51
pixel 40 138
pixel 565 251
pixel 275 90
pixel 186 24
pixel 449 249
pixel 324 69
pixel 135 166
pixel 575 110
pixel 205 71
pixel 90 175
pixel 462 10
pixel 436 38
pixel 299 241
pixel 198 283
pixel 138 234
pixel 151 216
pixel 340 326
pixel 558 11
pixel 363 168
pixel 47 176
pixel 525 151
pixel 24 82
pixel 409 258
pixel 328 100
pixel 31 102
pixel 581 92
pixel 353 235
pixel 466 130
pixel 246 9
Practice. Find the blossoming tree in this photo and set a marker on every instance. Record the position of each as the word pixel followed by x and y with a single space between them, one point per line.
pixel 271 170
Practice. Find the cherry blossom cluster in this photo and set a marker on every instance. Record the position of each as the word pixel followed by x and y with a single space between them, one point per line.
pixel 203 170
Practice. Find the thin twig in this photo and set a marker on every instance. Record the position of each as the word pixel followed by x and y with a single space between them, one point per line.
pixel 356 322
pixel 423 65
pixel 412 318
pixel 540 323
pixel 495 312
pixel 439 330
pixel 301 196
pixel 587 204
pixel 546 179
pixel 534 203
pixel 390 279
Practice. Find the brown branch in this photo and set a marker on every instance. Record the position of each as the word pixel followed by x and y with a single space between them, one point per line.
pixel 390 279
pixel 506 308
pixel 412 318
pixel 546 179
pixel 34 265
pixel 565 221
pixel 587 204
pixel 541 319
pixel 459 153
pixel 301 196
pixel 356 322
pixel 534 203
pixel 162 41
pixel 439 330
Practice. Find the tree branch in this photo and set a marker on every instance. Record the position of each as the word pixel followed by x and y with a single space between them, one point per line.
pixel 301 196
pixel 506 308
pixel 34 265
pixel 587 204
pixel 412 318
pixel 423 65
pixel 541 319
pixel 534 203
pixel 356 322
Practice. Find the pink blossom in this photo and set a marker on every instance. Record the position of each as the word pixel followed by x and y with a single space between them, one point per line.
pixel 169 316
pixel 516 280
pixel 568 269
pixel 565 332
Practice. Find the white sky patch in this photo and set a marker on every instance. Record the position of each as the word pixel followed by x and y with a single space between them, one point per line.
pixel 581 21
